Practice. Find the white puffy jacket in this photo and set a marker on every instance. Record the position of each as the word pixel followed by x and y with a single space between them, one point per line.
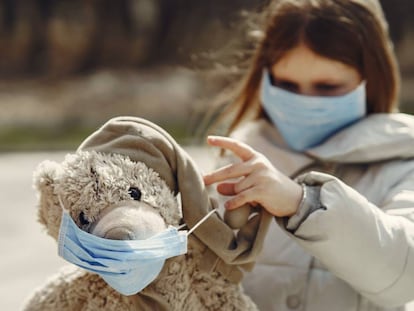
pixel 357 253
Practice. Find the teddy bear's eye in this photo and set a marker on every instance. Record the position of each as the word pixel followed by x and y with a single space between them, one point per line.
pixel 82 219
pixel 135 193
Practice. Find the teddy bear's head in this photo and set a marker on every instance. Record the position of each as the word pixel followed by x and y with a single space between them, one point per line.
pixel 106 194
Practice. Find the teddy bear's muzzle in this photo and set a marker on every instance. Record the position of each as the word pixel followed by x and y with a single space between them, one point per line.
pixel 128 221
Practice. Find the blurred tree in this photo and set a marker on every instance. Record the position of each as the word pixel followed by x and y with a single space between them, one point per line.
pixel 71 28
pixel 128 31
pixel 399 15
pixel 19 29
pixel 61 37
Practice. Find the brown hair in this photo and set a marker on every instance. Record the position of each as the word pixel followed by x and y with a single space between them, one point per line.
pixel 350 31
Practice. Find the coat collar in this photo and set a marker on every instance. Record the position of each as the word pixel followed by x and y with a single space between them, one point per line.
pixel 375 138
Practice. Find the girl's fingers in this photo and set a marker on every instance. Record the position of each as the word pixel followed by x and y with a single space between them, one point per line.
pixel 247 196
pixel 233 188
pixel 246 183
pixel 242 150
pixel 242 190
pixel 226 188
pixel 227 172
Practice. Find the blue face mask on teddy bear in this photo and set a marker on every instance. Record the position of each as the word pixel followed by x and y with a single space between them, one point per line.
pixel 128 266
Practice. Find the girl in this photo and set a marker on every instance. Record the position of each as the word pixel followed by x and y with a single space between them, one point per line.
pixel 322 148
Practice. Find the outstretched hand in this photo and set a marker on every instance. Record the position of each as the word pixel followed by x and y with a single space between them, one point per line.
pixel 258 181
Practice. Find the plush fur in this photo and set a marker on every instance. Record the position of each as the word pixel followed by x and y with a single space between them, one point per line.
pixel 97 187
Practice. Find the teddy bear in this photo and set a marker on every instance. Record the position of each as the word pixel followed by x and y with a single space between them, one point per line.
pixel 130 211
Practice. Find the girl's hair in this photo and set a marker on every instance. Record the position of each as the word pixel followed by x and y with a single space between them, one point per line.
pixel 353 32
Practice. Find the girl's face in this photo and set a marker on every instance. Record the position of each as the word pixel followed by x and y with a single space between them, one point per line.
pixel 302 71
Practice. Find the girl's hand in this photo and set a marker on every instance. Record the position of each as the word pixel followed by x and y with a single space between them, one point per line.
pixel 259 182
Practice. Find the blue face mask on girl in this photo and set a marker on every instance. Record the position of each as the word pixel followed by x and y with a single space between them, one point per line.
pixel 128 266
pixel 306 121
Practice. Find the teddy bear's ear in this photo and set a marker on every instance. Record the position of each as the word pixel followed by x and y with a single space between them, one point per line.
pixel 49 211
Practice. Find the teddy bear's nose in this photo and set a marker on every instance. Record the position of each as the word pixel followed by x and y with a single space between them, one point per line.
pixel 132 221
pixel 120 234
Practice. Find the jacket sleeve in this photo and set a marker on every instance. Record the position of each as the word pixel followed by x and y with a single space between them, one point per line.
pixel 370 247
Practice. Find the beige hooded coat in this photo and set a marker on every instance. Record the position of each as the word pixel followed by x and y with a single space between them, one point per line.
pixel 358 252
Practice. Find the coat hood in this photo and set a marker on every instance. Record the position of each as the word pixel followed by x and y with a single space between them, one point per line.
pixel 143 141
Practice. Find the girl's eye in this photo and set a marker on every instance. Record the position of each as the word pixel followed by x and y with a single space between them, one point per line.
pixel 83 220
pixel 327 89
pixel 135 193
pixel 285 84
pixel 288 86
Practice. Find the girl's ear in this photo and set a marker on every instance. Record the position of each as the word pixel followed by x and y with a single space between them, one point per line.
pixel 49 211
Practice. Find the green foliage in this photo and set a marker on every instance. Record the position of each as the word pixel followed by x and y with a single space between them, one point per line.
pixel 35 138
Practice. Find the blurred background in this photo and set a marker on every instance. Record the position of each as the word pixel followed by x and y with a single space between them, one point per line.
pixel 68 66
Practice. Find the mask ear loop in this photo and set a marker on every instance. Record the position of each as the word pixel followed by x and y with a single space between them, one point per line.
pixel 201 221
pixel 181 226
pixel 62 206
